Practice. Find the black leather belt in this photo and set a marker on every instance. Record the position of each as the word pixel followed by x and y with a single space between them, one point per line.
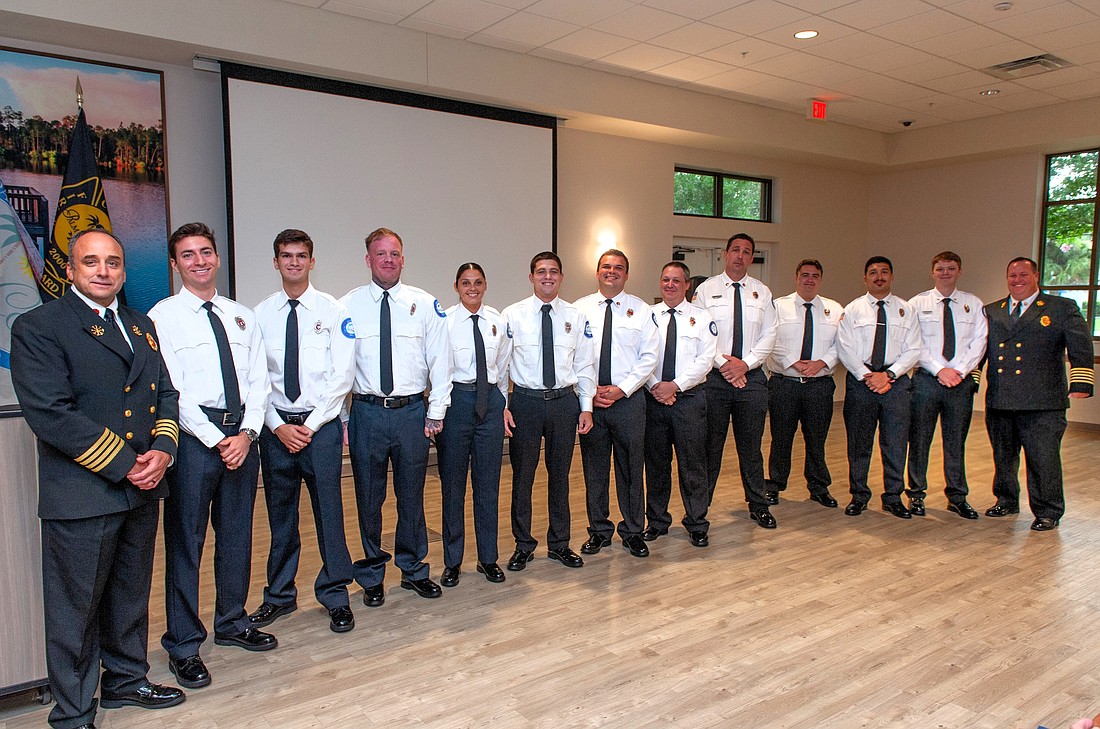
pixel 802 380
pixel 544 394
pixel 225 418
pixel 390 403
pixel 467 386
pixel 294 418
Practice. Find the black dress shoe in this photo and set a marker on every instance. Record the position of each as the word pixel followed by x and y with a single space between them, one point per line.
pixel 963 509
pixel 190 672
pixel 341 619
pixel 651 533
pixel 824 498
pixel 855 508
pixel 567 556
pixel 86 726
pixel 147 696
pixel 772 497
pixel 450 576
pixel 424 587
pixel 492 571
pixel 1000 509
pixel 763 517
pixel 699 539
pixel 897 509
pixel 1044 524
pixel 251 640
pixel 374 596
pixel 595 543
pixel 916 507
pixel 636 546
pixel 267 613
pixel 519 560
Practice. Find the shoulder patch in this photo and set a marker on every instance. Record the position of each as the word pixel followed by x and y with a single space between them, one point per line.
pixel 587 330
pixel 348 328
pixel 714 329
pixel 508 331
pixel 439 310
pixel 653 316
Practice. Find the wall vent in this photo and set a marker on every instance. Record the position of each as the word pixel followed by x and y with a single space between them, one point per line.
pixel 1025 67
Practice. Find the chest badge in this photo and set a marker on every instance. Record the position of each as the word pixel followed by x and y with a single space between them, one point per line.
pixel 152 342
pixel 756 294
pixel 691 321
pixel 966 308
pixel 318 326
pixel 97 330
pixel 630 312
pixel 240 323
pixel 412 309
pixel 827 312
pixel 901 312
pixel 568 327
pixel 494 330
pixel 1045 321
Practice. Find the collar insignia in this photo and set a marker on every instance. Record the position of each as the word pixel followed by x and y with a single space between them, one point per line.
pixel 97 330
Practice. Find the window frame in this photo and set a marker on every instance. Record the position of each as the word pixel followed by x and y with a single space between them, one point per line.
pixel 1092 285
pixel 719 178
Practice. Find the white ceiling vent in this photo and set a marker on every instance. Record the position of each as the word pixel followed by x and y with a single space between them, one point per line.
pixel 1024 67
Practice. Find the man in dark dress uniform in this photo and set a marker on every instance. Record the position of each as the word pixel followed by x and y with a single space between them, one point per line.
pixel 95 391
pixel 1030 335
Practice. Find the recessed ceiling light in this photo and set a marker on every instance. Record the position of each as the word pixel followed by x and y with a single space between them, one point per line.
pixel 805 34
pixel 989 92
pixel 1002 6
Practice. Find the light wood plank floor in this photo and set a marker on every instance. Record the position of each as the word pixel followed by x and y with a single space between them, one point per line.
pixel 829 621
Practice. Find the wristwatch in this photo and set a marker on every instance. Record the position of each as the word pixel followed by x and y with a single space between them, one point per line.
pixel 253 436
pixel 891 375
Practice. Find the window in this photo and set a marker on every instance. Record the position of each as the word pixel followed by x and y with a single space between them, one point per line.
pixel 1069 252
pixel 718 195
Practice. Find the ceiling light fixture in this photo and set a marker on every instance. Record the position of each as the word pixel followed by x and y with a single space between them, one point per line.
pixel 989 92
pixel 1002 6
pixel 805 34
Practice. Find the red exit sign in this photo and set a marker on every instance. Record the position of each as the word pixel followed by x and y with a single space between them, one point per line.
pixel 818 110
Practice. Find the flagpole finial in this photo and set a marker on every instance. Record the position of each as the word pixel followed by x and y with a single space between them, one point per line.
pixel 79 94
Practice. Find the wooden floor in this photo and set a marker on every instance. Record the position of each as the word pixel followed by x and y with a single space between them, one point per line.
pixel 828 621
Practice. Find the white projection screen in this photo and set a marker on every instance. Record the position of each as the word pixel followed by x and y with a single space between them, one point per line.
pixel 457 181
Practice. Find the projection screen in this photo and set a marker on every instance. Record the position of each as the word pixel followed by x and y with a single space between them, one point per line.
pixel 457 181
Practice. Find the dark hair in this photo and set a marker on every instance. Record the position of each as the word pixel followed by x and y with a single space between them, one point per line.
pixel 546 256
pixel 190 230
pixel 97 229
pixel 293 235
pixel 741 236
pixel 614 253
pixel 950 256
pixel 811 262
pixel 382 233
pixel 680 265
pixel 469 266
pixel 1018 259
pixel 877 259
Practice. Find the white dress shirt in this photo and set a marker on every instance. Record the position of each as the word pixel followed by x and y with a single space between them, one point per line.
pixel 102 311
pixel 421 345
pixel 574 349
pixel 633 338
pixel 326 355
pixel 498 347
pixel 191 353
pixel 1026 303
pixel 696 344
pixel 716 295
pixel 790 316
pixel 971 329
pixel 856 336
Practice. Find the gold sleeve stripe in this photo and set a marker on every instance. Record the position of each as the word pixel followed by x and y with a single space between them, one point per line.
pixel 102 452
pixel 976 375
pixel 1081 374
pixel 167 427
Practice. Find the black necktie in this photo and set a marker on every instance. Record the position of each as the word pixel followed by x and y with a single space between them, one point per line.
pixel 738 327
pixel 225 360
pixel 291 384
pixel 385 345
pixel 115 335
pixel 808 334
pixel 1018 310
pixel 549 376
pixel 668 367
pixel 605 347
pixel 482 377
pixel 948 331
pixel 878 352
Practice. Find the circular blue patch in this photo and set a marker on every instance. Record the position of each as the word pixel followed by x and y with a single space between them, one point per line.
pixel 714 329
pixel 348 328
pixel 439 310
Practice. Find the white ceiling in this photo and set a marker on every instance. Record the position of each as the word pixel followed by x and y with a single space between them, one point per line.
pixel 876 62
